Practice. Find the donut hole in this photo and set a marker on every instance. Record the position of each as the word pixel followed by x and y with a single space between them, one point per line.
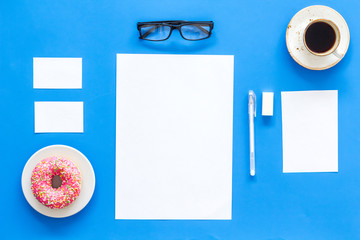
pixel 56 181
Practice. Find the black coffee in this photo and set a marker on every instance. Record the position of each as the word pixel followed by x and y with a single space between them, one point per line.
pixel 320 37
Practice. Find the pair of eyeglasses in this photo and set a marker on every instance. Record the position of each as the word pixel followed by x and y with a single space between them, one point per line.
pixel 161 30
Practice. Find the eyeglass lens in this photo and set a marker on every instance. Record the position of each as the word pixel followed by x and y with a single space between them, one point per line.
pixel 155 32
pixel 195 32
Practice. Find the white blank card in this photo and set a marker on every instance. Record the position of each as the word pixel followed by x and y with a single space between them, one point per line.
pixel 57 117
pixel 57 73
pixel 310 131
pixel 174 136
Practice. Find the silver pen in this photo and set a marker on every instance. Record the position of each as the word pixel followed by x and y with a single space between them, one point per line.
pixel 252 114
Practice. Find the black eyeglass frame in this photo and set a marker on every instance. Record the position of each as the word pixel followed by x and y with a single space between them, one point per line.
pixel 174 24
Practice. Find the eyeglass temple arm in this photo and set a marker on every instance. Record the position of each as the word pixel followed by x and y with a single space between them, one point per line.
pixel 203 29
pixel 149 31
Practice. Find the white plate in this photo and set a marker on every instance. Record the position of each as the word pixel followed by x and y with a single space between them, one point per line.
pixel 87 176
pixel 295 32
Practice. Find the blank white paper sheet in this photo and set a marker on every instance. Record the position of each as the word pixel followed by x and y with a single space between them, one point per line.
pixel 310 131
pixel 57 73
pixel 59 117
pixel 174 136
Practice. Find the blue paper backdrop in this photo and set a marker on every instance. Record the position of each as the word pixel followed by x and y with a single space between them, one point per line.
pixel 272 205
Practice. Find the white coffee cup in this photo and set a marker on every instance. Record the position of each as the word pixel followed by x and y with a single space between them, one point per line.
pixel 316 38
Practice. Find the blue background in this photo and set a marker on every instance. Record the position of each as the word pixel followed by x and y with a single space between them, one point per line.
pixel 271 205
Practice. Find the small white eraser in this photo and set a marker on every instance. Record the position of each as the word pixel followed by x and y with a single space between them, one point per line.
pixel 267 103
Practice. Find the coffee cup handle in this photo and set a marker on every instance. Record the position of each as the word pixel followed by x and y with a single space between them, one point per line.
pixel 338 54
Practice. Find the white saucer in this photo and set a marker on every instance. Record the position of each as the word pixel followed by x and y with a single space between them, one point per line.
pixel 87 175
pixel 295 31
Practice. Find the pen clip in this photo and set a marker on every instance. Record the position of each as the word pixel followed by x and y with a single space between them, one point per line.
pixel 252 100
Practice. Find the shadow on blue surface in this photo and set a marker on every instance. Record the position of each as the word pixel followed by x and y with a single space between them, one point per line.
pixel 176 44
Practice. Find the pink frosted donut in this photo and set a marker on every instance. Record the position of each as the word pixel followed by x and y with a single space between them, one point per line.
pixel 56 182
